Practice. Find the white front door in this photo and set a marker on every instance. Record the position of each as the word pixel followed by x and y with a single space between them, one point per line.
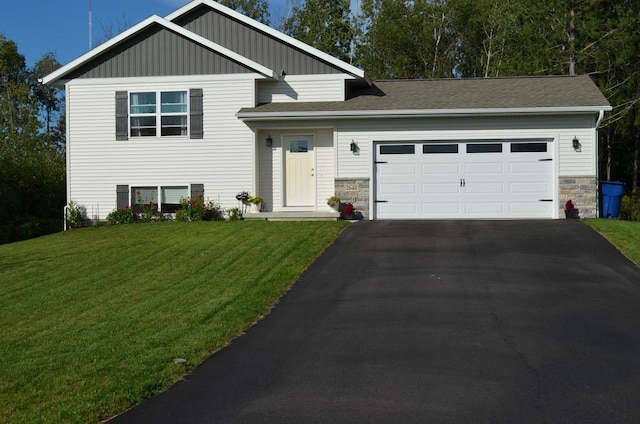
pixel 299 170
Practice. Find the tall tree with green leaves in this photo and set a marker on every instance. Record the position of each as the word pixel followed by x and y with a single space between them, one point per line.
pixel 323 24
pixel 400 39
pixel 32 171
pixel 255 9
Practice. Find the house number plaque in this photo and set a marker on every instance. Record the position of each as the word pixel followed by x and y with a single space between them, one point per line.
pixel 351 187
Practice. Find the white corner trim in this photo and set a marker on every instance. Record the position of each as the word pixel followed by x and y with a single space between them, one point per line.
pixel 272 32
pixel 155 19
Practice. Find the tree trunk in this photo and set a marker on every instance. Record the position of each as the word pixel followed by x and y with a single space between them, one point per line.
pixel 636 156
pixel 572 40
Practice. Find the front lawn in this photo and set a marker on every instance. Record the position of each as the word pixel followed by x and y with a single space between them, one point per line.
pixel 93 319
pixel 623 234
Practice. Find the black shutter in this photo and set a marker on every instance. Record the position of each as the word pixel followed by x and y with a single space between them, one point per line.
pixel 122 199
pixel 197 190
pixel 122 115
pixel 196 113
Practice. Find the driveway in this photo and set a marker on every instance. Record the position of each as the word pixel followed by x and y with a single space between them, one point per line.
pixel 435 322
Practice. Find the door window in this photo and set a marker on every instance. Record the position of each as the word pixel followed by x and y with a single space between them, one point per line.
pixel 299 146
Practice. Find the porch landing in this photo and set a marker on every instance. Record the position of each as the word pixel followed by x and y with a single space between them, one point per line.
pixel 293 216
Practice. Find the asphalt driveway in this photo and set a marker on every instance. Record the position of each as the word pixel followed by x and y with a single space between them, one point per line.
pixel 435 322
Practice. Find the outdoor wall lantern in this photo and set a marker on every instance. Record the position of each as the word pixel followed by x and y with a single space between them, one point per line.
pixel 576 144
pixel 269 141
pixel 354 147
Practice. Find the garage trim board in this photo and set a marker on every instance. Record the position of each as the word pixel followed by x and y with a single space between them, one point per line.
pixel 480 179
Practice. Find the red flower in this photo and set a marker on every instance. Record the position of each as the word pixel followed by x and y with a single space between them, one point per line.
pixel 348 209
pixel 569 205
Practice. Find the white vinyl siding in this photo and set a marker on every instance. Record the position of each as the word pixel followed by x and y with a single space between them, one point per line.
pixel 301 91
pixel 222 160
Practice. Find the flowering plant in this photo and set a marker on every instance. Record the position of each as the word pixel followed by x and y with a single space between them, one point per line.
pixel 333 201
pixel 256 200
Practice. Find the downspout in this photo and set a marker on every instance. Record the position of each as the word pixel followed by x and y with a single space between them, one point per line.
pixel 596 143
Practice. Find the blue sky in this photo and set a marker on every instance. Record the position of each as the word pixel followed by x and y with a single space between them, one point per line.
pixel 62 26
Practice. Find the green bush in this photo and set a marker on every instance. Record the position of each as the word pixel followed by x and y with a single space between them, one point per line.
pixel 24 228
pixel 122 216
pixel 630 208
pixel 73 215
pixel 195 209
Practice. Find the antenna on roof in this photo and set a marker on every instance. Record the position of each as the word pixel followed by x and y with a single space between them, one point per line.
pixel 90 28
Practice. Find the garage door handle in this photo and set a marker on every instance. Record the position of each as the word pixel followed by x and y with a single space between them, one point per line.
pixel 545 200
pixel 463 182
pixel 545 160
pixel 377 162
pixel 382 201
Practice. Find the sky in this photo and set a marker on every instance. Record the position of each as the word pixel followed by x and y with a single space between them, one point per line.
pixel 62 26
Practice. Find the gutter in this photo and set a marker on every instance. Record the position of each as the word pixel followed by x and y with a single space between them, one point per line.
pixel 418 113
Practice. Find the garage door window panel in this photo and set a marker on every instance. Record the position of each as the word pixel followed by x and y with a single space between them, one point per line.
pixel 400 149
pixel 428 149
pixel 484 148
pixel 528 147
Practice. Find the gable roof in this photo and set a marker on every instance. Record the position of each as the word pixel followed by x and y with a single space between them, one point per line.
pixel 450 97
pixel 277 35
pixel 155 20
pixel 169 24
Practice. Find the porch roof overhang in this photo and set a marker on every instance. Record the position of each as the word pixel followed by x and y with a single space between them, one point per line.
pixel 557 95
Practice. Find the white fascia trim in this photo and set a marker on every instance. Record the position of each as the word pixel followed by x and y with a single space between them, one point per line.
pixel 318 77
pixel 155 19
pixel 424 113
pixel 187 79
pixel 272 32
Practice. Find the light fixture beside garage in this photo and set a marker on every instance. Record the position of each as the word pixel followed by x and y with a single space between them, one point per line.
pixel 354 147
pixel 576 144
pixel 269 141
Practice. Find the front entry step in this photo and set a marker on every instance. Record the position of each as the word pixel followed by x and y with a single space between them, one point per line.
pixel 293 216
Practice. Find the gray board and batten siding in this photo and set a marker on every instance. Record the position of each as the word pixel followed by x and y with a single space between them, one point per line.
pixel 157 51
pixel 251 43
pixel 154 52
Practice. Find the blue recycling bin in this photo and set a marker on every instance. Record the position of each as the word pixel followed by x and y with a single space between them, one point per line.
pixel 611 198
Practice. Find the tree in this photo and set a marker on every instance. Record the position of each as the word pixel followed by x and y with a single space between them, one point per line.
pixel 50 101
pixel 255 9
pixel 32 171
pixel 401 39
pixel 323 24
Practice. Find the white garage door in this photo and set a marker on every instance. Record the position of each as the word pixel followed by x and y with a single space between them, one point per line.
pixel 464 179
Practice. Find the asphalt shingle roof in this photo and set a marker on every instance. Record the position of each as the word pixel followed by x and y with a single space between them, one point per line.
pixel 451 94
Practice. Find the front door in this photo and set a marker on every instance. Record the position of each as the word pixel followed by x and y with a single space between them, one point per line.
pixel 299 169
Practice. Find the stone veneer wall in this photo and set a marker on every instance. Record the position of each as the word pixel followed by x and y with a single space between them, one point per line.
pixel 583 192
pixel 354 191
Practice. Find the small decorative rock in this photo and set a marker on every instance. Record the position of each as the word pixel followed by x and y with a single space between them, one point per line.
pixel 179 361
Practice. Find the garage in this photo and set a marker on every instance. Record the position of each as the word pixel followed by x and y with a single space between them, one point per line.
pixel 471 179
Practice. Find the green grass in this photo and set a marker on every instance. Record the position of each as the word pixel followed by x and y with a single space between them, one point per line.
pixel 92 319
pixel 625 235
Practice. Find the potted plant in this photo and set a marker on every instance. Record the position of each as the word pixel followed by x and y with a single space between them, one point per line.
pixel 256 203
pixel 334 202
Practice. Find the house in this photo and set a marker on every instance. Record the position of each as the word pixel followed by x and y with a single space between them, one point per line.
pixel 206 101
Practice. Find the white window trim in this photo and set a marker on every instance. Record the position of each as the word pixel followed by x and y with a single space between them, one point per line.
pixel 158 114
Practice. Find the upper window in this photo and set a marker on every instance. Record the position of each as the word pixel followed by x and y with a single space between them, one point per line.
pixel 162 113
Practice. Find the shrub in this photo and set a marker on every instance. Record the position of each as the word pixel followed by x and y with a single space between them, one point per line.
pixel 147 212
pixel 195 209
pixel 630 208
pixel 122 216
pixel 73 215
pixel 234 214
